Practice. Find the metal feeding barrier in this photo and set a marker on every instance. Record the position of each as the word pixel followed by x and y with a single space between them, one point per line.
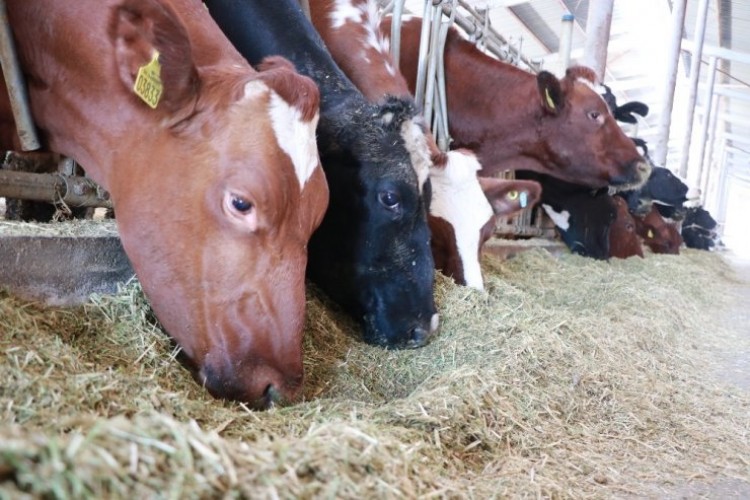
pixel 430 94
pixel 26 174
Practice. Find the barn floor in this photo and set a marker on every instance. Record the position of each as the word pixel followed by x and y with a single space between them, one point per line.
pixel 730 364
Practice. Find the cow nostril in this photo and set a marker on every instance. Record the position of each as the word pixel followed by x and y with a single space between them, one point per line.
pixel 272 396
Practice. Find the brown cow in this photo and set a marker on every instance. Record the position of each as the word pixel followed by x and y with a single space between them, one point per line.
pixel 215 219
pixel 624 241
pixel 461 219
pixel 514 120
pixel 659 235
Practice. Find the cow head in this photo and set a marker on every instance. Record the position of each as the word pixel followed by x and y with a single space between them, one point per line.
pixel 372 251
pixel 583 142
pixel 583 221
pixel 216 201
pixel 463 212
pixel 659 235
pixel 624 241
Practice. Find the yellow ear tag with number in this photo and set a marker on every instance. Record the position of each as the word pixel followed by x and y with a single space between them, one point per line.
pixel 550 102
pixel 148 84
pixel 650 234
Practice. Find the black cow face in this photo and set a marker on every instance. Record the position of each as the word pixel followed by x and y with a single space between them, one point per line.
pixel 372 252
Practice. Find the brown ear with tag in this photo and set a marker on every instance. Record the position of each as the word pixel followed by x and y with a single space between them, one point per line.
pixel 153 54
pixel 551 92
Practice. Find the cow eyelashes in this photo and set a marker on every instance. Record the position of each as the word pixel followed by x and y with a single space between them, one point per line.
pixel 241 205
pixel 240 210
pixel 596 116
pixel 389 199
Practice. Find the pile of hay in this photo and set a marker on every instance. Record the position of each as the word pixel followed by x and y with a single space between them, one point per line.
pixel 568 378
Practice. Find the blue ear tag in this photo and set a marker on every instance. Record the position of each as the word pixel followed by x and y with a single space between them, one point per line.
pixel 523 199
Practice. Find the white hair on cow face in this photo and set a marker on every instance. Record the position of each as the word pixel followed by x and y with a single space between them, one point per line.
pixel 295 136
pixel 344 11
pixel 457 198
pixel 415 141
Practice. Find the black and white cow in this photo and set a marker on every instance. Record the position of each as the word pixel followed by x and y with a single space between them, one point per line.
pixel 699 229
pixel 582 216
pixel 372 252
pixel 667 192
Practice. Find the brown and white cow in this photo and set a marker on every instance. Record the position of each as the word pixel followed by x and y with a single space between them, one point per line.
pixel 214 173
pixel 659 235
pixel 624 241
pixel 515 120
pixel 461 218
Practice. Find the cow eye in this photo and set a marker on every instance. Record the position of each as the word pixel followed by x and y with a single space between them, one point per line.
pixel 594 115
pixel 241 204
pixel 389 199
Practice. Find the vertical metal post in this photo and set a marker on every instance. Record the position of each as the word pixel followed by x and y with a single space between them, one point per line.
pixel 305 4
pixel 716 106
pixel 398 10
pixel 566 41
pixel 670 82
pixel 598 24
pixel 695 68
pixel 19 101
pixel 708 99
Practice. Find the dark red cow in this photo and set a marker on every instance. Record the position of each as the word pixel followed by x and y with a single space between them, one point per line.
pixel 624 241
pixel 213 171
pixel 659 235
pixel 461 219
pixel 515 120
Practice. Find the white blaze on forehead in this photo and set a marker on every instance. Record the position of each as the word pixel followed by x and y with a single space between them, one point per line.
pixel 295 136
pixel 458 198
pixel 561 219
pixel 415 142
pixel 597 88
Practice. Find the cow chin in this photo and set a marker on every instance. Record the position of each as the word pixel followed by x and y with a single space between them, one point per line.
pixel 639 172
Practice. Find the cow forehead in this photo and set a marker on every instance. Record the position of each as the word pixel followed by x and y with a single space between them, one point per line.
pixel 294 135
pixel 415 142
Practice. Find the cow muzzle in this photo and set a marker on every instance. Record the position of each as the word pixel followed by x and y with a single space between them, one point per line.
pixel 639 173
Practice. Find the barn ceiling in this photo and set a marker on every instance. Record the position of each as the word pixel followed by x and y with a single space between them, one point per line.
pixel 636 58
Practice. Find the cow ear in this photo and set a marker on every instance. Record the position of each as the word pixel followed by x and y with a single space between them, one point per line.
pixel 508 196
pixel 550 91
pixel 625 112
pixel 153 54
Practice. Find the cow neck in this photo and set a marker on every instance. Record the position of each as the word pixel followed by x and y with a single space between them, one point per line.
pixel 260 28
pixel 484 118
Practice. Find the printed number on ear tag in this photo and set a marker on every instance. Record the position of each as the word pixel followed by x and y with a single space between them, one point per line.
pixel 524 199
pixel 148 84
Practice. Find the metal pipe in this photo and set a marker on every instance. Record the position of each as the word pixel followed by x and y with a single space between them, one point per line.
pixel 598 24
pixel 566 41
pixel 305 4
pixel 433 55
pixel 52 188
pixel 695 68
pixel 398 10
pixel 708 98
pixel 424 48
pixel 712 132
pixel 19 101
pixel 670 82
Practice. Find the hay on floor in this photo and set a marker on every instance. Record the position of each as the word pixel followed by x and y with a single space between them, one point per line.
pixel 568 377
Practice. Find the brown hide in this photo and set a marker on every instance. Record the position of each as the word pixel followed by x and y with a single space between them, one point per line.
pixel 350 40
pixel 214 220
pixel 624 241
pixel 659 235
pixel 514 120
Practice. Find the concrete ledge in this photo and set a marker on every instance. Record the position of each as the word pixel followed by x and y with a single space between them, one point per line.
pixel 62 270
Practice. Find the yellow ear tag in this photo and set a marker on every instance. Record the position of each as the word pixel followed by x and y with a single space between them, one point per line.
pixel 650 234
pixel 550 102
pixel 512 195
pixel 148 84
